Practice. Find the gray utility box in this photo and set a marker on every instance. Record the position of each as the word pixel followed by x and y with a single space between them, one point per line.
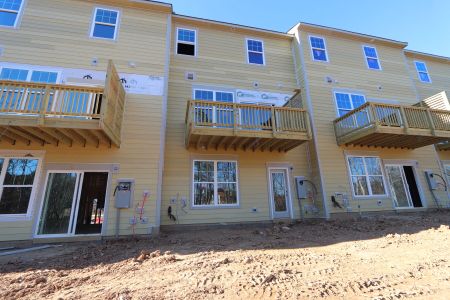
pixel 432 184
pixel 301 188
pixel 123 193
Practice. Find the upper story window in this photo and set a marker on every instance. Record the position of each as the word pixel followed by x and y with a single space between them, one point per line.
pixel 371 58
pixel 366 176
pixel 318 48
pixel 105 24
pixel 422 71
pixel 255 52
pixel 186 42
pixel 9 12
pixel 14 74
pixel 346 102
pixel 18 74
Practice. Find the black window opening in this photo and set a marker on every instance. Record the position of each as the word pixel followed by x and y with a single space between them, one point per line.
pixel 185 49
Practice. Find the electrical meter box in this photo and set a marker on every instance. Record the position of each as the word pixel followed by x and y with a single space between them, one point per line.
pixel 301 188
pixel 432 184
pixel 123 193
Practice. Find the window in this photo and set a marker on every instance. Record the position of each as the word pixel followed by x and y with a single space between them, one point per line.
pixel 14 74
pixel 215 183
pixel 318 48
pixel 255 52
pixel 9 12
pixel 347 102
pixel 44 77
pixel 17 177
pixel 105 24
pixel 422 71
pixel 220 115
pixel 186 42
pixel 19 74
pixel 366 176
pixel 371 58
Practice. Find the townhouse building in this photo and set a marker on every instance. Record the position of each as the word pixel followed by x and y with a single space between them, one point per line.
pixel 122 118
pixel 81 116
pixel 372 141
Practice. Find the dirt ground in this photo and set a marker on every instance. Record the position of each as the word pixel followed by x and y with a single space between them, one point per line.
pixel 371 258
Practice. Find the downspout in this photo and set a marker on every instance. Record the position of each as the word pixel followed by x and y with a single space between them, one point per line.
pixel 313 127
pixel 162 141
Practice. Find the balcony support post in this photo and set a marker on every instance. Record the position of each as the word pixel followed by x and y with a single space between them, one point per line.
pixel 45 103
pixel 274 122
pixel 235 117
pixel 404 119
pixel 430 122
pixel 373 114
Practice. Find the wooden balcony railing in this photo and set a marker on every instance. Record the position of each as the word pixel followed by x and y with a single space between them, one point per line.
pixel 387 125
pixel 245 126
pixel 54 113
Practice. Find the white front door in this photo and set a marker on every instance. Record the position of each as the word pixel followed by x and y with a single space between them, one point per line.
pixel 279 193
pixel 399 186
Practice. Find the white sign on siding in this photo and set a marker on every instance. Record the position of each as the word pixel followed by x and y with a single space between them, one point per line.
pixel 262 97
pixel 133 83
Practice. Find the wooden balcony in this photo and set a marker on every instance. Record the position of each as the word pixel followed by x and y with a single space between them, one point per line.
pixel 244 126
pixel 444 146
pixel 393 126
pixel 62 114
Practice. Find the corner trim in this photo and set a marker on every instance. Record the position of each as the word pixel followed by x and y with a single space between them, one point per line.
pixel 313 127
pixel 162 140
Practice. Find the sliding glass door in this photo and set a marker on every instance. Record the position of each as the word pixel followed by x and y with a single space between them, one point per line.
pixel 73 203
pixel 58 207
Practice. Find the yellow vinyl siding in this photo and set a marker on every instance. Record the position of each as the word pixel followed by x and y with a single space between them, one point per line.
pixel 56 33
pixel 222 62
pixel 438 70
pixel 348 68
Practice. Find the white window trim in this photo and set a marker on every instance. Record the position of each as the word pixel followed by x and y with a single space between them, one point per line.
pixel 93 22
pixel 418 72
pixel 216 200
pixel 366 57
pixel 351 102
pixel 214 94
pixel 263 51
pixel 18 18
pixel 185 42
pixel 21 155
pixel 370 196
pixel 311 48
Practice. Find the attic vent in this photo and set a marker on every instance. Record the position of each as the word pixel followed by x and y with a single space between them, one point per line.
pixel 190 76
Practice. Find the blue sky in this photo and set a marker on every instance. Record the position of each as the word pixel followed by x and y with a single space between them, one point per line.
pixel 424 24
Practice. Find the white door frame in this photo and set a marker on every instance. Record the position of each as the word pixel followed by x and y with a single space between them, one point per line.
pixel 405 186
pixel 75 203
pixel 414 165
pixel 290 212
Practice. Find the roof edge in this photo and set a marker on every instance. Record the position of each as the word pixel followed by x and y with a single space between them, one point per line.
pixel 439 57
pixel 165 4
pixel 245 27
pixel 348 32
